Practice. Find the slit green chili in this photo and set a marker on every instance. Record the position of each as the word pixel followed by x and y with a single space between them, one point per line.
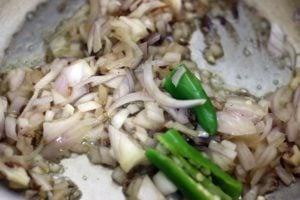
pixel 188 86
pixel 177 145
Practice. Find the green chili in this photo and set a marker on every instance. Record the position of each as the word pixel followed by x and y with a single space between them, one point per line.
pixel 182 84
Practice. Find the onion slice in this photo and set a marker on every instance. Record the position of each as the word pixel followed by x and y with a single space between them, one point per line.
pixel 161 97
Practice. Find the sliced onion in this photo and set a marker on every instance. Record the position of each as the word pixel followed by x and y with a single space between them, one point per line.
pixel 296 98
pixel 276 40
pixel 146 7
pixel 164 184
pixel 42 101
pixel 162 98
pixel 179 115
pixel 284 176
pixel 56 68
pixel 88 106
pixel 154 112
pixel 141 119
pixel 128 153
pixel 216 147
pixel 177 76
pixel 10 128
pixel 129 98
pixel 77 72
pixel 3 110
pixel 97 80
pixel 268 127
pixel 119 118
pixel 281 104
pixel 182 128
pixel 17 104
pixel 58 98
pixel 147 190
pixel 246 107
pixel 88 97
pixel 266 156
pixel 61 85
pixel 16 78
pixel 252 193
pixel 55 129
pixel 125 87
pixel 234 124
pixel 138 30
pixel 41 180
pixel 245 156
pixel 257 176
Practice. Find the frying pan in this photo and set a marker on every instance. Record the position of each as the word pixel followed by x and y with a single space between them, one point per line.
pixel 25 26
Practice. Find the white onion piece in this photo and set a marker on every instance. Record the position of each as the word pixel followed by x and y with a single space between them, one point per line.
pixel 3 110
pixel 115 82
pixel 16 78
pixel 54 129
pixel 266 156
pixel 127 152
pixel 88 106
pixel 182 128
pixel 292 130
pixel 146 7
pixel 49 115
pixel 161 97
pixel 246 107
pixel 296 98
pixel 251 194
pixel 17 104
pixel 36 119
pixel 257 176
pixel 225 163
pixel 88 97
pixel 42 101
pixel 219 148
pixel 281 104
pixel 141 119
pixel 137 28
pixel 234 124
pixel 58 98
pixel 125 87
pixel 179 115
pixel 55 68
pixel 78 92
pixel 129 98
pixel 16 175
pixel 10 128
pixel 245 156
pixel 41 180
pixel 68 110
pixel 97 80
pixel 284 176
pixel 61 85
pixel 229 145
pixel 268 127
pixel 164 184
pixel 77 72
pixel 177 76
pixel 154 112
pixel 172 57
pixel 148 191
pixel 119 118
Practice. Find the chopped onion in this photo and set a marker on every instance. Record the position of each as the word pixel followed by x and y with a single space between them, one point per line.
pixel 246 107
pixel 97 80
pixel 138 29
pixel 16 78
pixel 162 98
pixel 132 97
pixel 146 7
pixel 61 85
pixel 88 106
pixel 10 128
pixel 281 104
pixel 127 152
pixel 164 184
pixel 77 72
pixel 214 146
pixel 41 180
pixel 16 175
pixel 284 176
pixel 154 112
pixel 17 104
pixel 268 155
pixel 177 76
pixel 148 191
pixel 235 124
pixel 88 97
pixel 142 120
pixel 49 115
pixel 55 129
pixel 251 194
pixel 58 98
pixel 179 115
pixel 182 128
pixel 172 57
pixel 119 118
pixel 56 68
pixel 245 156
